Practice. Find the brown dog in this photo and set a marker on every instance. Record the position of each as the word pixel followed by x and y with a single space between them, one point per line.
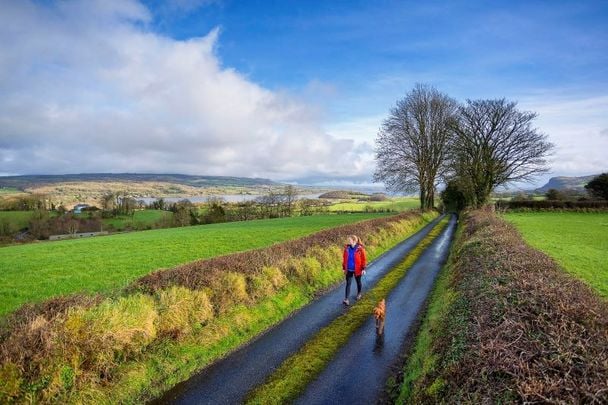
pixel 380 315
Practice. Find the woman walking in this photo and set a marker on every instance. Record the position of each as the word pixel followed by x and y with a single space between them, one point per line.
pixel 353 264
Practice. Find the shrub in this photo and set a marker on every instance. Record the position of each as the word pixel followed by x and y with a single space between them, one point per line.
pixel 180 309
pixel 328 257
pixel 229 289
pixel 115 329
pixel 275 276
pixel 310 268
pixel 266 283
pixel 10 382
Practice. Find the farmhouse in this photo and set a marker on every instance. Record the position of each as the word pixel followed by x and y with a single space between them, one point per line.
pixel 79 207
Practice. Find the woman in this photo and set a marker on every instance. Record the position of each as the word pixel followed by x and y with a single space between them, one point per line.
pixel 353 264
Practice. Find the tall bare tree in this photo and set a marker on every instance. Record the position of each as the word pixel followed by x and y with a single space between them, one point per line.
pixel 495 144
pixel 413 142
pixel 291 195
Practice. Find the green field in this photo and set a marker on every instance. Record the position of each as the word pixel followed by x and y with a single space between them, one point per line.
pixel 577 241
pixel 395 204
pixel 18 219
pixel 37 271
pixel 9 190
pixel 140 219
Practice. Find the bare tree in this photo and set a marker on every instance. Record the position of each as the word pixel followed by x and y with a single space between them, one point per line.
pixel 495 144
pixel 413 142
pixel 291 195
pixel 107 201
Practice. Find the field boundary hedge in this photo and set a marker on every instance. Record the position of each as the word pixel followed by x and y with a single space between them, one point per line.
pixel 507 324
pixel 540 205
pixel 132 345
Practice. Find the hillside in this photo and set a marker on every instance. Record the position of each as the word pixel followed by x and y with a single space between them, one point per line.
pixel 34 181
pixel 566 183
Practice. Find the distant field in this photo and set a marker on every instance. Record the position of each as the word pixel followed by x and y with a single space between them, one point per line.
pixel 577 241
pixel 396 204
pixel 9 190
pixel 19 219
pixel 144 217
pixel 37 271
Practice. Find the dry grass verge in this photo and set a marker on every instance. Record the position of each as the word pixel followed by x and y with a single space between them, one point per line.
pixel 517 327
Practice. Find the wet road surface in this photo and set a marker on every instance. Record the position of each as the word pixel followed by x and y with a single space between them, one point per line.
pixel 358 373
pixel 228 380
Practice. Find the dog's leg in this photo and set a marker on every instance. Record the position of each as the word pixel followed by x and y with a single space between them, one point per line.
pixel 380 326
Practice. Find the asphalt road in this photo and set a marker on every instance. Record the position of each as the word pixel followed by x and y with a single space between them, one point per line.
pixel 358 372
pixel 228 380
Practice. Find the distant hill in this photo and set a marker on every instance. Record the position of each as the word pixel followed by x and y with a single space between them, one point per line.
pixel 22 182
pixel 566 183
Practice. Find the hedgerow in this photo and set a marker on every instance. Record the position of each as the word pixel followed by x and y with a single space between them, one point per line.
pixel 513 328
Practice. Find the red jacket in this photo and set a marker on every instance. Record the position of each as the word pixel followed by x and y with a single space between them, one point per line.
pixel 360 259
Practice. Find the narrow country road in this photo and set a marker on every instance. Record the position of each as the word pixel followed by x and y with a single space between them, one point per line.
pixel 228 380
pixel 358 372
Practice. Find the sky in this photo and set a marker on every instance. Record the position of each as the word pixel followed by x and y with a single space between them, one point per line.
pixel 293 91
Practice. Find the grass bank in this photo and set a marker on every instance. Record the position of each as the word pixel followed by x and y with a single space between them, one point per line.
pixel 34 272
pixel 130 347
pixel 292 377
pixel 506 325
pixel 577 241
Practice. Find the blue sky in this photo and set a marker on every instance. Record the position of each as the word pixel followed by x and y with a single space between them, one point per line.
pixel 317 78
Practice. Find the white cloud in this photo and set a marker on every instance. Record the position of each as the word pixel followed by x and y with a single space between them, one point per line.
pixel 86 86
pixel 574 124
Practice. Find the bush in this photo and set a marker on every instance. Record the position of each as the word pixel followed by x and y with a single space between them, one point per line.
pixel 180 309
pixel 229 289
pixel 114 330
pixel 329 257
pixel 262 285
pixel 11 380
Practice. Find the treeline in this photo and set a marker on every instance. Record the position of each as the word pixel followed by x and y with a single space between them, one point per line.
pixel 537 205
pixel 28 202
pixel 273 204
pixel 41 224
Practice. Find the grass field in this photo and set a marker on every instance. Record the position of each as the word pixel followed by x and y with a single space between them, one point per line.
pixel 395 204
pixel 9 190
pixel 41 270
pixel 140 219
pixel 18 219
pixel 577 241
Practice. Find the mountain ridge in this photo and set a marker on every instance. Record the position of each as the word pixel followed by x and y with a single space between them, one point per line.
pixel 566 183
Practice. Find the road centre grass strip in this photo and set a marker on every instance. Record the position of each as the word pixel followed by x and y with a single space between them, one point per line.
pixel 292 377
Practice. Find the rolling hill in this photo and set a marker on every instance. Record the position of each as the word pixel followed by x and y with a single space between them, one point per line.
pixel 32 181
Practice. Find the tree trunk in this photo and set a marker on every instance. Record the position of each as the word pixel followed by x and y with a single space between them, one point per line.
pixel 422 199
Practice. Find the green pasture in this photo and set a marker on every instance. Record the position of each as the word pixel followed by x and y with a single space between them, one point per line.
pixel 33 272
pixel 577 241
pixel 18 219
pixel 395 204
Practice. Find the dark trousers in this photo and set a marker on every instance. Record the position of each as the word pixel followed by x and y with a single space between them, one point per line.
pixel 349 279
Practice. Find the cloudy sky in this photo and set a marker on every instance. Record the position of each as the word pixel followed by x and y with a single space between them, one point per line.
pixel 289 90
